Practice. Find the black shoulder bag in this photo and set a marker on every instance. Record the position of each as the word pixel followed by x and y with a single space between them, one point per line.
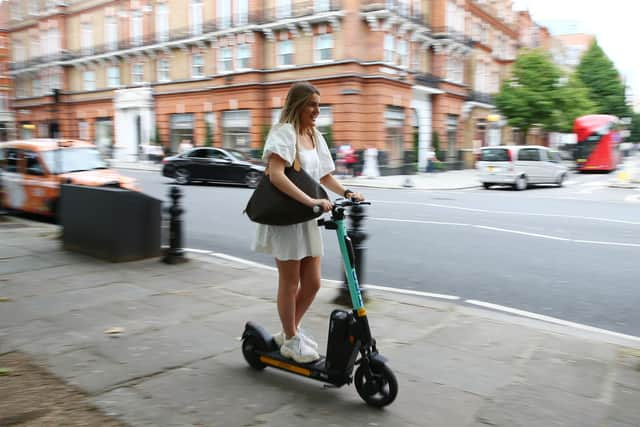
pixel 270 206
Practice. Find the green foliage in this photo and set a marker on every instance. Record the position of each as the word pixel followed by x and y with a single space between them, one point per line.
pixel 527 99
pixel 635 128
pixel 263 138
pixel 208 134
pixel 416 146
pixel 157 139
pixel 540 95
pixel 572 102
pixel 435 143
pixel 605 87
pixel 328 136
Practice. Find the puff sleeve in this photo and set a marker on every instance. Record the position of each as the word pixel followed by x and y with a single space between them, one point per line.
pixel 326 165
pixel 281 141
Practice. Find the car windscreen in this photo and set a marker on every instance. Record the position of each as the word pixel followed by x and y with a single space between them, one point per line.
pixel 65 160
pixel 495 155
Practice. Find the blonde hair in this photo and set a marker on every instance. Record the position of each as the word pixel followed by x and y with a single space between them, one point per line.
pixel 297 98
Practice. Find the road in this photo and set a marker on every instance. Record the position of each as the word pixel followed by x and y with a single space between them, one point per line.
pixel 572 253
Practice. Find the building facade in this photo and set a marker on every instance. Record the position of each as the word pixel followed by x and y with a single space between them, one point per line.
pixel 128 73
pixel 7 124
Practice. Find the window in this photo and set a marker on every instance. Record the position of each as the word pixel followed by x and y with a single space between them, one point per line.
pixel 86 40
pixel 242 12
pixel 111 33
pixel 389 43
pixel 283 9
pixel 226 60
pixel 196 17
pixel 197 65
pixel 243 53
pixel 83 130
pixel 321 5
pixel 4 103
pixel 224 13
pixel 35 47
pixel 162 22
pixel 11 156
pixel 285 53
pixel 16 11
pixel 113 76
pixel 163 70
pixel 324 47
pixel 33 163
pixel 36 89
pixel 33 7
pixel 53 40
pixel 403 53
pixel 89 78
pixel 529 155
pixel 18 51
pixel 455 69
pixel 136 29
pixel 137 73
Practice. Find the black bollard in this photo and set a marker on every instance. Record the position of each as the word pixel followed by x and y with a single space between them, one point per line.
pixel 175 253
pixel 358 236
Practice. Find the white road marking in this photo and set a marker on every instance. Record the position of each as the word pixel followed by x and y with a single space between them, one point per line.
pixel 412 292
pixel 550 319
pixel 437 205
pixel 635 198
pixel 242 261
pixel 506 230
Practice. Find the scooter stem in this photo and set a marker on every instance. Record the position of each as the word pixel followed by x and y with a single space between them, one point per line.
pixel 350 272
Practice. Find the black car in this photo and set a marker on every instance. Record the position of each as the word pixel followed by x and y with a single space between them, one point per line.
pixel 213 165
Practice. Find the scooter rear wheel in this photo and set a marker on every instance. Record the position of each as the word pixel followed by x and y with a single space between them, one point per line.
pixel 249 347
pixel 381 389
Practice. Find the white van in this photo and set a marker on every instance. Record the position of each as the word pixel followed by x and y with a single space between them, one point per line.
pixel 520 166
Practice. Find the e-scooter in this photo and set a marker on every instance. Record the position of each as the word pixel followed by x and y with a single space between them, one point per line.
pixel 349 336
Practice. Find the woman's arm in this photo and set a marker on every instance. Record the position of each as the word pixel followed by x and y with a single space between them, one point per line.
pixel 334 185
pixel 284 184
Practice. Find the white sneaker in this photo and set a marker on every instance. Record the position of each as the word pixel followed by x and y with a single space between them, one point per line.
pixel 280 337
pixel 296 349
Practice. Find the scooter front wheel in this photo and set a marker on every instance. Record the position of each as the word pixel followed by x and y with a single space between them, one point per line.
pixel 379 388
pixel 249 347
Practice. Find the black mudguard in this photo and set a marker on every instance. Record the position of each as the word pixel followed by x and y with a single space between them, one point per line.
pixel 265 339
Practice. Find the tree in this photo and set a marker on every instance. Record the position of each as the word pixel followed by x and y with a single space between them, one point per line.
pixel 572 101
pixel 528 98
pixel 635 128
pixel 435 143
pixel 599 75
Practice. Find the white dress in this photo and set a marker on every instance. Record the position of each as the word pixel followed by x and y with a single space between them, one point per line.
pixel 297 241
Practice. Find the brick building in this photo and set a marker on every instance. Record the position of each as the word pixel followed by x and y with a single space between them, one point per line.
pixel 7 125
pixel 133 72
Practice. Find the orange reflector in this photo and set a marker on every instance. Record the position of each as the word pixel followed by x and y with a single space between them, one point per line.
pixel 285 365
pixel 362 312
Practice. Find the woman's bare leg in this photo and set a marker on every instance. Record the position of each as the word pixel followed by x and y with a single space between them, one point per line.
pixel 288 279
pixel 309 286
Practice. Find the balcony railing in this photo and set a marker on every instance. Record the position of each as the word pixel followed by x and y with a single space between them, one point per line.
pixel 450 33
pixel 428 79
pixel 482 97
pixel 397 7
pixel 300 10
pixel 258 17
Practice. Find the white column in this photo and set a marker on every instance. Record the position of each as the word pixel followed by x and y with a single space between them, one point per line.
pixel 422 105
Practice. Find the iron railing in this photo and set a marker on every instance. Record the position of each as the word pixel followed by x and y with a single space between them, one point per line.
pixel 399 8
pixel 427 79
pixel 485 98
pixel 450 33
pixel 257 17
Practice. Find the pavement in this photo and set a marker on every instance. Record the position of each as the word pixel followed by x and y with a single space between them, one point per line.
pixel 158 345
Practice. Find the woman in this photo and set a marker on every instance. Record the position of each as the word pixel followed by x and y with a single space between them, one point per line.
pixel 297 248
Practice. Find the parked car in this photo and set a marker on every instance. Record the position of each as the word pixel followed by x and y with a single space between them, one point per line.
pixel 32 170
pixel 209 164
pixel 520 166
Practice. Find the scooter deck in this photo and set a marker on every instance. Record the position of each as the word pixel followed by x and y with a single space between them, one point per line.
pixel 316 370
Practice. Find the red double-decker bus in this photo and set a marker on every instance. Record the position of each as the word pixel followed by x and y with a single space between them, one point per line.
pixel 597 146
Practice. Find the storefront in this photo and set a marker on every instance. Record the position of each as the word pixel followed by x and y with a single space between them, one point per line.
pixel 394 139
pixel 182 128
pixel 236 126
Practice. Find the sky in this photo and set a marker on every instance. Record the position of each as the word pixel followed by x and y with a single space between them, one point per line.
pixel 614 23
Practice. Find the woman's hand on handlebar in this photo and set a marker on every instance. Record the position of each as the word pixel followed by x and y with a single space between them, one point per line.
pixel 356 196
pixel 324 204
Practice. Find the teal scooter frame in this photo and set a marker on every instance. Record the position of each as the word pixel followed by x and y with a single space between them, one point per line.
pixel 350 343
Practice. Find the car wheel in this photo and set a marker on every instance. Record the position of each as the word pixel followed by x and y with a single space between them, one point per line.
pixel 182 176
pixel 521 183
pixel 486 185
pixel 252 179
pixel 560 180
